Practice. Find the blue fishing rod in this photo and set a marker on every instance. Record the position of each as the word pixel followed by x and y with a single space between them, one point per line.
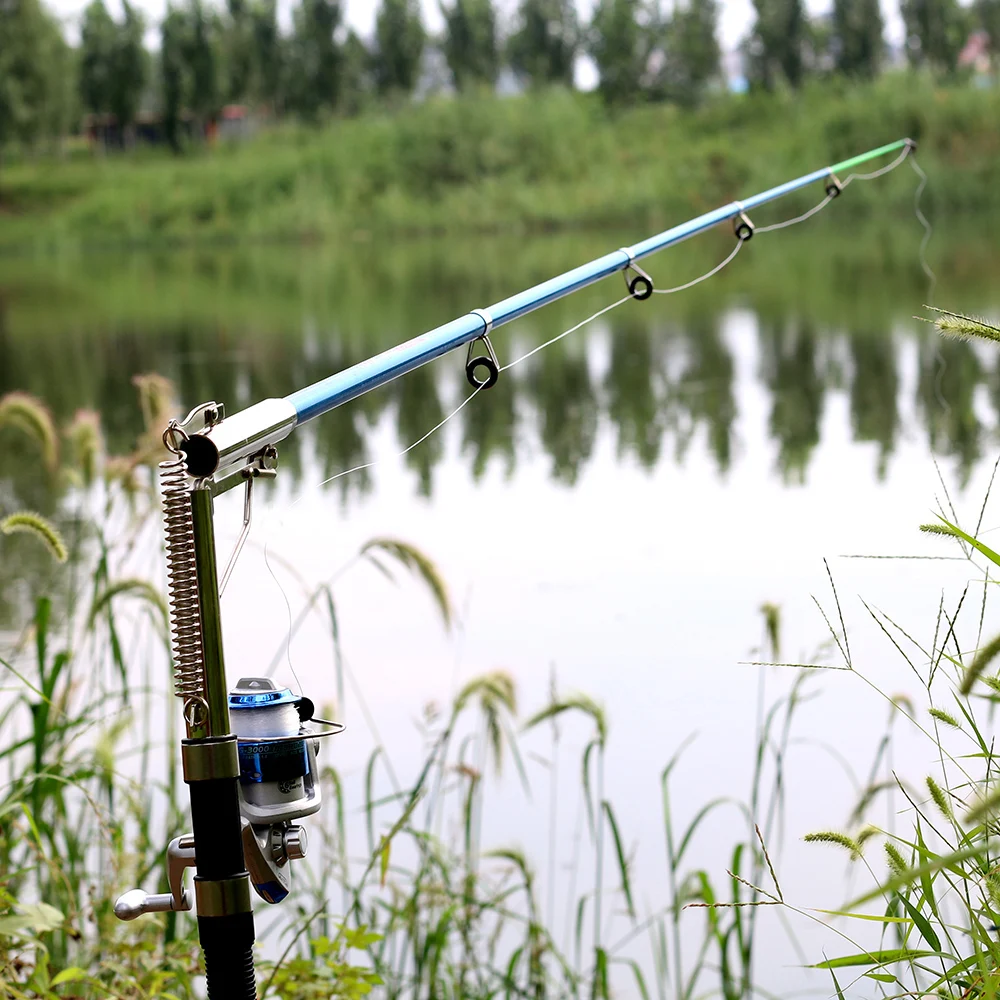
pixel 249 756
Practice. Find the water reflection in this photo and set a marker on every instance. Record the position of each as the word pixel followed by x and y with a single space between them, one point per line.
pixel 830 314
pixel 875 393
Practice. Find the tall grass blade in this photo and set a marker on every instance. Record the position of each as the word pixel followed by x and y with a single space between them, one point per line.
pixel 623 864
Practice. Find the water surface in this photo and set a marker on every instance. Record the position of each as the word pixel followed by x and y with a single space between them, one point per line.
pixel 609 517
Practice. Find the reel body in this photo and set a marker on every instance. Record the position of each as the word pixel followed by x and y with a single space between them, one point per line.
pixel 277 761
pixel 277 743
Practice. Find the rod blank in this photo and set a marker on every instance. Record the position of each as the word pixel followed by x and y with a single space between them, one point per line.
pixel 316 399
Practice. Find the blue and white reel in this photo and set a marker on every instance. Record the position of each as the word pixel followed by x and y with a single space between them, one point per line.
pixel 277 743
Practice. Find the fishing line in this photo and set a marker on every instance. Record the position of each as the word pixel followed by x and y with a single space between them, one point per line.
pixel 319 486
pixel 928 230
pixel 799 218
pixel 708 274
pixel 565 333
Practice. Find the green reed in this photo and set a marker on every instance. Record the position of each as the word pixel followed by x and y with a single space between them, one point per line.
pixel 425 903
pixel 927 924
pixel 416 900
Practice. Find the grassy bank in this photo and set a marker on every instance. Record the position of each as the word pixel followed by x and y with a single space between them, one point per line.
pixel 489 164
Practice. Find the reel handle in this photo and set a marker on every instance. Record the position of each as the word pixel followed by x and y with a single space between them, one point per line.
pixel 136 902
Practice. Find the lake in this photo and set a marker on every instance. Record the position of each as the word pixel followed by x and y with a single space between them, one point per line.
pixel 609 518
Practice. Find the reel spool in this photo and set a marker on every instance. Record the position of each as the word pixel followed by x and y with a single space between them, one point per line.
pixel 277 741
pixel 277 765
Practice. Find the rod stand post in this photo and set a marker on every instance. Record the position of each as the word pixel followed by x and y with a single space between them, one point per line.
pixel 211 772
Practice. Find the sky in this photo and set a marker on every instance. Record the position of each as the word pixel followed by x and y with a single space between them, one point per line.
pixel 735 20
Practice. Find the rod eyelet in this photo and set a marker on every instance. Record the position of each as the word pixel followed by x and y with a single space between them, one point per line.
pixel 488 361
pixel 638 283
pixel 743 228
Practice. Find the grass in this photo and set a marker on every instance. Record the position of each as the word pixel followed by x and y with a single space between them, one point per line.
pixel 481 163
pixel 425 904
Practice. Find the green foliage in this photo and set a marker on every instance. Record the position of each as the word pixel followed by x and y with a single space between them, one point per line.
pixel 470 42
pixel 130 67
pixel 987 13
pixel 935 33
pixel 315 63
pixel 542 161
pixel 269 55
pixel 776 48
pixel 29 415
pixel 238 51
pixel 37 527
pixel 859 47
pixel 837 838
pixel 174 71
pixel 97 51
pixel 542 49
pixel 619 46
pixel 190 66
pixel 692 58
pixel 955 324
pixel 202 51
pixel 399 46
pixel 35 75
pixel 326 973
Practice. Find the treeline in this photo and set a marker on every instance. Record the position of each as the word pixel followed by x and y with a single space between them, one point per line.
pixel 211 56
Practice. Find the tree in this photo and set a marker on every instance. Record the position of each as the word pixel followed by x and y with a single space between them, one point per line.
pixel 98 38
pixel 691 54
pixel 543 48
pixel 776 45
pixel 399 44
pixel 857 37
pixel 268 52
pixel 174 73
pixel 128 68
pixel 35 74
pixel 988 15
pixel 238 46
pixel 357 83
pixel 935 33
pixel 201 55
pixel 316 58
pixel 470 42
pixel 618 45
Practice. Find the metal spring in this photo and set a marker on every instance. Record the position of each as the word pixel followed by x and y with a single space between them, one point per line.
pixel 182 583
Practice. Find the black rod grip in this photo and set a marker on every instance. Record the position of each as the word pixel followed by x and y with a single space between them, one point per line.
pixel 228 945
pixel 215 816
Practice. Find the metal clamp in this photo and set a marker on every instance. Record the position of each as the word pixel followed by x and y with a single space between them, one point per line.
pixel 224 896
pixel 206 760
pixel 488 361
pixel 640 285
pixel 136 902
pixel 261 466
pixel 834 187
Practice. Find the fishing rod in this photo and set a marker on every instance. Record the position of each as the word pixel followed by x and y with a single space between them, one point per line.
pixel 249 756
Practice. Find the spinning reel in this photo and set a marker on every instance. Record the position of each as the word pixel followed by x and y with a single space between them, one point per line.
pixel 278 739
pixel 277 743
